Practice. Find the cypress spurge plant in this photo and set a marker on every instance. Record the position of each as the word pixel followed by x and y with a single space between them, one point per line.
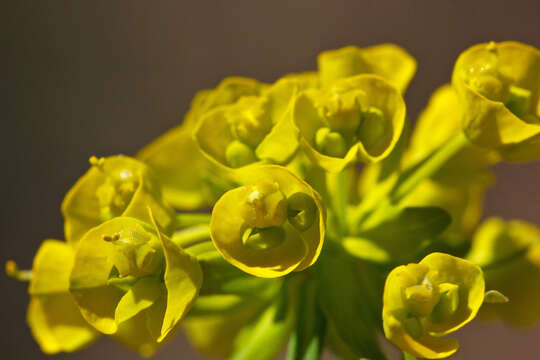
pixel 305 214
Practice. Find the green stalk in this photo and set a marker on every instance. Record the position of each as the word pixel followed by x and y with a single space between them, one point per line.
pixel 429 167
pixel 338 188
pixel 191 236
pixel 184 220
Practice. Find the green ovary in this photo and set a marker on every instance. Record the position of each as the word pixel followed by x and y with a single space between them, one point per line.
pixel 239 154
pixel 342 111
pixel 134 255
pixel 302 211
pixel 519 101
pixel 448 303
pixel 373 130
pixel 330 143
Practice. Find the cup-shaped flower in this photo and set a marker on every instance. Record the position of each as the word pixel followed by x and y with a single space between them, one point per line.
pixel 386 60
pixel 358 118
pixel 425 301
pixel 272 225
pixel 510 253
pixel 189 180
pixel 113 186
pixel 132 282
pixel 53 316
pixel 499 87
pixel 254 128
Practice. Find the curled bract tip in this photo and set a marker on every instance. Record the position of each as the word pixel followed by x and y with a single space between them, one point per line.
pixel 270 226
pixel 425 301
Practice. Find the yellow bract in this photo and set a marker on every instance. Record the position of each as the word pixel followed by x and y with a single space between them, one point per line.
pixel 53 316
pixel 271 226
pixel 425 301
pixel 499 87
pixel 386 60
pixel 131 282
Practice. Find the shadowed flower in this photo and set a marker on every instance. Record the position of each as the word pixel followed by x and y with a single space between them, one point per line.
pixel 510 253
pixel 425 301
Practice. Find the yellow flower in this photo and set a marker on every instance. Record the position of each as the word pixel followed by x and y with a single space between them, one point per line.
pixel 133 283
pixel 425 301
pixel 272 225
pixel 114 186
pixel 357 118
pixel 498 85
pixel 255 128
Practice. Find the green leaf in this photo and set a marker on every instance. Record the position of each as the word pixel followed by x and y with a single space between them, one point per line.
pixel 265 338
pixel 307 340
pixel 348 307
pixel 399 234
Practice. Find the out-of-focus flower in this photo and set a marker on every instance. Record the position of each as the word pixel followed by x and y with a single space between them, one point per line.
pixel 53 316
pixel 425 301
pixel 498 85
pixel 189 180
pixel 510 253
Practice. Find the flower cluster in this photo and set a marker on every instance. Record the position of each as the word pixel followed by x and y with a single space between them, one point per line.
pixel 305 212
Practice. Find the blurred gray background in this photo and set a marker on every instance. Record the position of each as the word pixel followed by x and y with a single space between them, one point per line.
pixel 106 77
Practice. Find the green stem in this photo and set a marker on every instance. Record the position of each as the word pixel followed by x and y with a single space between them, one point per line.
pixel 429 167
pixel 388 193
pixel 184 220
pixel 338 189
pixel 192 235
